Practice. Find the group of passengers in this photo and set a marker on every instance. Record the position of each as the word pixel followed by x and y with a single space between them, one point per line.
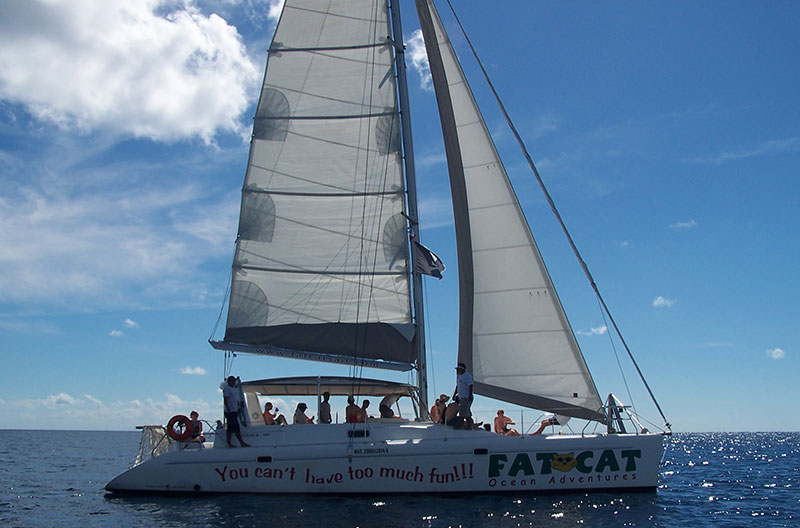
pixel 353 413
pixel 458 413
pixel 300 417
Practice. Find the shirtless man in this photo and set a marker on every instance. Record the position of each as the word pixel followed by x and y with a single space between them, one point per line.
pixel 452 417
pixel 501 423
pixel 272 418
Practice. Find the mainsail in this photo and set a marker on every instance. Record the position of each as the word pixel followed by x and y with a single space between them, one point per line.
pixel 514 334
pixel 322 254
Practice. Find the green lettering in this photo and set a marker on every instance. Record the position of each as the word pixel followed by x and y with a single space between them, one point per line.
pixel 607 460
pixel 521 463
pixel 496 463
pixel 581 458
pixel 545 458
pixel 631 455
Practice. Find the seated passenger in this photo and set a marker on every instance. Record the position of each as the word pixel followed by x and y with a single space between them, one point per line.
pixel 452 418
pixel 501 423
pixel 272 418
pixel 438 408
pixel 197 428
pixel 364 414
pixel 300 415
pixel 352 412
pixel 552 420
pixel 386 404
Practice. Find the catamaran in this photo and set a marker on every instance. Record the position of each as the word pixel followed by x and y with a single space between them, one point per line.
pixel 328 267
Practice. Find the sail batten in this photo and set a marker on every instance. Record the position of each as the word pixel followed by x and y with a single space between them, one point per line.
pixel 322 254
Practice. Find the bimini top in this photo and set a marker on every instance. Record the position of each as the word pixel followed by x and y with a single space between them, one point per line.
pixel 335 385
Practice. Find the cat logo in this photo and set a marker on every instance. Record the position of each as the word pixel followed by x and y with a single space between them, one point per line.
pixel 563 462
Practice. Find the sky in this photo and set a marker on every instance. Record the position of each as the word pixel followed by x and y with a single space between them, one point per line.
pixel 668 134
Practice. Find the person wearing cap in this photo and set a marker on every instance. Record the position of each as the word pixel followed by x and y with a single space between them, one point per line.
pixel 231 396
pixel 438 407
pixel 463 392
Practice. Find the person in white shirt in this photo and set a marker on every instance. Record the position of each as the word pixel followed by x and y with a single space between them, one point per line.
pixel 463 393
pixel 325 409
pixel 231 396
pixel 300 415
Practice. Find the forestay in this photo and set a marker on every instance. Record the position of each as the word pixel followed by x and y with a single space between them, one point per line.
pixel 321 261
pixel 514 333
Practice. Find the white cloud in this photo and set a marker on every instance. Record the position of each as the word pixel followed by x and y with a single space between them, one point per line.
pixel 151 68
pixel 60 244
pixel 662 302
pixel 776 353
pixel 116 333
pixel 131 323
pixel 767 148
pixel 63 411
pixel 275 9
pixel 683 225
pixel 193 371
pixel 600 330
pixel 60 399
pixel 416 54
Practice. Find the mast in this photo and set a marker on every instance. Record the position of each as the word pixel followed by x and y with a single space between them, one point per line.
pixel 413 215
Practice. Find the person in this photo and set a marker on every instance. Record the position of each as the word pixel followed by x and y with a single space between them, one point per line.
pixel 438 408
pixel 553 420
pixel 325 409
pixel 300 415
pixel 197 428
pixel 501 423
pixel 272 418
pixel 364 414
pixel 230 395
pixel 386 404
pixel 463 393
pixel 352 412
pixel 453 418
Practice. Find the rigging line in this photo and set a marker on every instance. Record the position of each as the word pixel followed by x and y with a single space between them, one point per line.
pixel 553 208
pixel 619 363
pixel 222 308
pixel 367 86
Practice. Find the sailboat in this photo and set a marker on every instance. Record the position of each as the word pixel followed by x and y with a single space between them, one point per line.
pixel 328 267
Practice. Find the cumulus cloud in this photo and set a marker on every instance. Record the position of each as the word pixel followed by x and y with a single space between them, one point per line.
pixel 151 68
pixel 416 54
pixel 600 330
pixel 116 333
pixel 776 353
pixel 662 302
pixel 683 225
pixel 130 323
pixel 193 371
pixel 63 411
pixel 275 9
pixel 60 399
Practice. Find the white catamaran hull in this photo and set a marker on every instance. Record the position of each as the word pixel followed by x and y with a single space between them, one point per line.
pixel 394 458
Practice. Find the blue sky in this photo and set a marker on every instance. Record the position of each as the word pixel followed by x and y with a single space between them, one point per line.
pixel 667 133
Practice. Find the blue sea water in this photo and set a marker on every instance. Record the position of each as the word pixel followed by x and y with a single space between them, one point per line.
pixel 56 478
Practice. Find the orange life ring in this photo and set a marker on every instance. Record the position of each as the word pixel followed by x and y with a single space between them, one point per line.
pixel 174 433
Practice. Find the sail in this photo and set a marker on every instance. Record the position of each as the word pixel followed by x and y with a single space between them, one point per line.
pixel 514 334
pixel 322 253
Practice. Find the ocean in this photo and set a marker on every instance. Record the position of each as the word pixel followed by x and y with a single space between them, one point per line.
pixel 56 478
